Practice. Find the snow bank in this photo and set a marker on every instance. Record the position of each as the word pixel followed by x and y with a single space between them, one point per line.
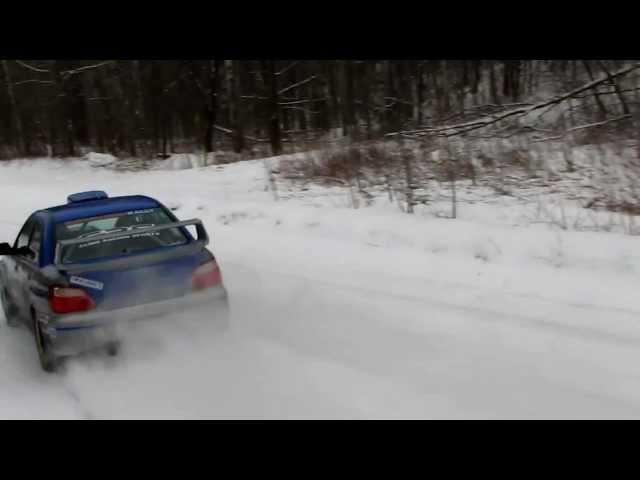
pixel 100 159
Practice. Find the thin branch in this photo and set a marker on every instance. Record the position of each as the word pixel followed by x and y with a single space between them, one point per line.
pixel 24 82
pixel 306 100
pixel 599 124
pixel 466 127
pixel 511 132
pixel 85 68
pixel 253 97
pixel 30 67
pixel 504 105
pixel 222 129
pixel 583 127
pixel 228 131
pixel 398 100
pixel 171 85
pixel 296 85
pixel 477 110
pixel 313 112
pixel 609 92
pixel 287 68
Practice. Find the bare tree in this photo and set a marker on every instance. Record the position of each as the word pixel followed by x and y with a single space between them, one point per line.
pixel 273 111
pixel 18 138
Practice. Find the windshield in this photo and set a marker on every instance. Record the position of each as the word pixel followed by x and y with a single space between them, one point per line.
pixel 119 222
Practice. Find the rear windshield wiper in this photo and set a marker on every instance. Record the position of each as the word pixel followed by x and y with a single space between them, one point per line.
pixel 114 230
pixel 142 225
pixel 102 232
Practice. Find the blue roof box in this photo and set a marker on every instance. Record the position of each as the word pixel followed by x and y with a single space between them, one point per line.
pixel 87 196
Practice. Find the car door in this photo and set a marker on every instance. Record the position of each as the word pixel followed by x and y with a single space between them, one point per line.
pixel 21 268
pixel 36 287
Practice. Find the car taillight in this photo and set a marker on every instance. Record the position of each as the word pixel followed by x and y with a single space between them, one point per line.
pixel 206 275
pixel 67 300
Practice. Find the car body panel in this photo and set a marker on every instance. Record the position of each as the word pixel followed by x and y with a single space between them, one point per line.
pixel 79 332
pixel 117 285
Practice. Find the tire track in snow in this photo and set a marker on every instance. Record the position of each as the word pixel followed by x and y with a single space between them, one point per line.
pixel 487 314
pixel 84 411
pixel 440 371
pixel 21 361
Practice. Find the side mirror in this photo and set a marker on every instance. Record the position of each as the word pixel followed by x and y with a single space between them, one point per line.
pixel 6 249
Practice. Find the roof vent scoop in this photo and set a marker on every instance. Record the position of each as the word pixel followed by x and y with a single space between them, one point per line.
pixel 87 196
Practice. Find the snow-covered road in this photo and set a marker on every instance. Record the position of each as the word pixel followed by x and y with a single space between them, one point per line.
pixel 347 314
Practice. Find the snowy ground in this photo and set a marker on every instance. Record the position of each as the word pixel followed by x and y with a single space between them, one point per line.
pixel 342 313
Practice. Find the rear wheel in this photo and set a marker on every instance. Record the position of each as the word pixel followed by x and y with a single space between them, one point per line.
pixel 10 311
pixel 113 348
pixel 48 361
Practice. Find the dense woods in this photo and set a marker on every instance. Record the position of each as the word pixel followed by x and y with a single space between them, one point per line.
pixel 151 108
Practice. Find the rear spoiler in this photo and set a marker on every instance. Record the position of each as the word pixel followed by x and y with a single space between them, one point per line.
pixel 191 247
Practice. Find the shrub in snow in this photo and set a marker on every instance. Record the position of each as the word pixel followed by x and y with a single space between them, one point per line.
pixel 557 255
pixel 179 161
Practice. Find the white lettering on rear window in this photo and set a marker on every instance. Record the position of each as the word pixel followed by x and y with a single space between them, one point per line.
pixel 138 212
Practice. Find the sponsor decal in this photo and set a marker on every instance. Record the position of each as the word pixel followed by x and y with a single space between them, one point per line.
pixel 118 238
pixel 138 212
pixel 85 282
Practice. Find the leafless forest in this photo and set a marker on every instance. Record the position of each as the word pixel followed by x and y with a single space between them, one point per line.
pixel 392 125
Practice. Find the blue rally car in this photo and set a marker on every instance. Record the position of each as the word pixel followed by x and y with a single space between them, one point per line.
pixel 77 271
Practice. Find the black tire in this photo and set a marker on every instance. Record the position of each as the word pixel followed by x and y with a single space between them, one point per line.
pixel 48 361
pixel 113 349
pixel 10 312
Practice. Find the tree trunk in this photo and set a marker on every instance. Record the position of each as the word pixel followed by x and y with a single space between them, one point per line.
pixel 18 138
pixel 363 95
pixel 324 119
pixel 156 91
pixel 452 171
pixel 532 70
pixel 408 174
pixel 76 95
pixel 137 105
pixel 596 95
pixel 446 107
pixel 346 95
pixel 389 112
pixel 275 136
pixel 65 119
pixel 106 122
pixel 506 81
pixel 238 110
pixel 477 65
pixel 212 105
pixel 492 84
pixel 420 92
pixel 335 118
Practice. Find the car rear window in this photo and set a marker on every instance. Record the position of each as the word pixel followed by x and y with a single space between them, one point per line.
pixel 125 222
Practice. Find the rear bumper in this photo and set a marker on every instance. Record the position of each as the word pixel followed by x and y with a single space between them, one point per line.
pixel 72 334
